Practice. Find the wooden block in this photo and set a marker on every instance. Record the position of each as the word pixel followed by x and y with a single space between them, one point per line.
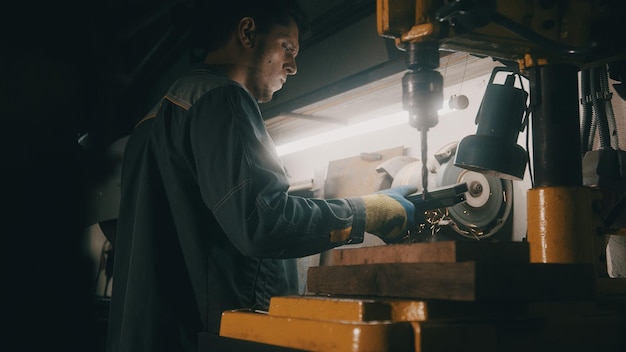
pixel 434 252
pixel 465 281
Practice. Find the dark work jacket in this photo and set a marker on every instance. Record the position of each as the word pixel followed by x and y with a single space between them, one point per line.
pixel 206 223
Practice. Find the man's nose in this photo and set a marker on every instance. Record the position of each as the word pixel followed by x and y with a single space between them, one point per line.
pixel 291 67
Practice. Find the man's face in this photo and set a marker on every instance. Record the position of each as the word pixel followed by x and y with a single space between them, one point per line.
pixel 274 60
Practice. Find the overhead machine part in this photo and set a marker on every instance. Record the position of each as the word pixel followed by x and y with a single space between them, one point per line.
pixel 550 42
pixel 413 26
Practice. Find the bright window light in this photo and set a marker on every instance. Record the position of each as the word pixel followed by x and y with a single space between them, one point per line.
pixel 376 124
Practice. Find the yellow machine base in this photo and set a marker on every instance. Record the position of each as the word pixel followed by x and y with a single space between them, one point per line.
pixel 324 323
pixel 355 336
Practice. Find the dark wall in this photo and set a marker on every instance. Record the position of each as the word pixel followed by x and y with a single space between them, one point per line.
pixel 43 98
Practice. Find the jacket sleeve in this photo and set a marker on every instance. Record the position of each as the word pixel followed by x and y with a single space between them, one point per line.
pixel 243 182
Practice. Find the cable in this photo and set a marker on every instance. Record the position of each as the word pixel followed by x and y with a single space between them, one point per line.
pixel 526 125
pixel 605 96
pixel 586 138
pixel 599 109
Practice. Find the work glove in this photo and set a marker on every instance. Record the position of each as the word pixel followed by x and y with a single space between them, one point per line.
pixel 388 214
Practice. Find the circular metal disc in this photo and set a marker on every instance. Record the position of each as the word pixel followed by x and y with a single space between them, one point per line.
pixel 488 201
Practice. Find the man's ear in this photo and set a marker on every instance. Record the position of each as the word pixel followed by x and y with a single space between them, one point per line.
pixel 246 31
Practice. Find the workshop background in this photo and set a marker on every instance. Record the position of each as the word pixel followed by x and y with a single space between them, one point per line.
pixel 77 76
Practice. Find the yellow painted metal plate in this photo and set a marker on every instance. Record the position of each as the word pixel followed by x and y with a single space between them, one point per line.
pixel 314 335
pixel 362 310
pixel 329 309
pixel 322 323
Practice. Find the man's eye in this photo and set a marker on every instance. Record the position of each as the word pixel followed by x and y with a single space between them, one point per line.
pixel 289 49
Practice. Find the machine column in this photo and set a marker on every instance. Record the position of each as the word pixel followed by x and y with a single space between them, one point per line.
pixel 555 126
pixel 561 218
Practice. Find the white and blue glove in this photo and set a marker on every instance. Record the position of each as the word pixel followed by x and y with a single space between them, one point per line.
pixel 388 214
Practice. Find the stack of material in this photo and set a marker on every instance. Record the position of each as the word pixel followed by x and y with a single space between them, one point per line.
pixel 438 296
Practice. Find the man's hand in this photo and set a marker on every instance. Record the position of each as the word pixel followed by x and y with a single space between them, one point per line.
pixel 389 214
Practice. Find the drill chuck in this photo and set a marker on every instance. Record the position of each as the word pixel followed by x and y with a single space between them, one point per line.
pixel 422 97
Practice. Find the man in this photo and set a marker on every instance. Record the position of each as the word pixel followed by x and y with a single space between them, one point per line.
pixel 205 221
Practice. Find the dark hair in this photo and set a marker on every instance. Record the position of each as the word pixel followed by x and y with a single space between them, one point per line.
pixel 213 22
